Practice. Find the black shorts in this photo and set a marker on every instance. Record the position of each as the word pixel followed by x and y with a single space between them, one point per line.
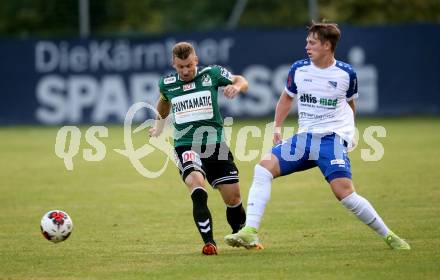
pixel 215 162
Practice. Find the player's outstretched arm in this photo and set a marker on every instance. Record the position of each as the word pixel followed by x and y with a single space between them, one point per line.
pixel 239 84
pixel 163 108
pixel 282 110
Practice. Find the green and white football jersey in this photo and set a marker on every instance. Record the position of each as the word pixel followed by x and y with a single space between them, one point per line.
pixel 194 105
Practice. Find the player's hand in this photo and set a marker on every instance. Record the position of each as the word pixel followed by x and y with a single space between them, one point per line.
pixel 277 138
pixel 154 132
pixel 157 129
pixel 231 91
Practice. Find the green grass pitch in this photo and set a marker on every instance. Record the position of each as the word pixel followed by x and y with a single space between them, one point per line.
pixel 130 227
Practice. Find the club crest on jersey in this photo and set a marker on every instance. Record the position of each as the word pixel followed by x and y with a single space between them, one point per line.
pixel 333 84
pixel 189 86
pixel 206 80
pixel 169 80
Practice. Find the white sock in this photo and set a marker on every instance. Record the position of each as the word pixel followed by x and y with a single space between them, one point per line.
pixel 259 195
pixel 365 212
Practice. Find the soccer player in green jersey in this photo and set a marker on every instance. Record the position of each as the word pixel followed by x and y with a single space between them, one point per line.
pixel 191 95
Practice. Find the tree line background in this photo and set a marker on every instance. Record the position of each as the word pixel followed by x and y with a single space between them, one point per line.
pixel 59 18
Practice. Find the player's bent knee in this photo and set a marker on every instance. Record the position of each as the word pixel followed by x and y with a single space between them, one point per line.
pixel 194 179
pixel 342 187
pixel 271 163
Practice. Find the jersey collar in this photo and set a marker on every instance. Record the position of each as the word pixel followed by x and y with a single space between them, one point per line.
pixel 323 69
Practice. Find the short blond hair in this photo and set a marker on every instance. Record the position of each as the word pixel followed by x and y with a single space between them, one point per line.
pixel 182 50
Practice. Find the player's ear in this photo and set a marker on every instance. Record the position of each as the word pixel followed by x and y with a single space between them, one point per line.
pixel 173 62
pixel 328 45
pixel 196 59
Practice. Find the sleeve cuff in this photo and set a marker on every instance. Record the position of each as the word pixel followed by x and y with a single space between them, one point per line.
pixel 354 96
pixel 289 93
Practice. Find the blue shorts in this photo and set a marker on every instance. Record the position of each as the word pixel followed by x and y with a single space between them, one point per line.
pixel 307 150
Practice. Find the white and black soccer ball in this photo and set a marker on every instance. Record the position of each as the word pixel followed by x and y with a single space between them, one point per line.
pixel 56 226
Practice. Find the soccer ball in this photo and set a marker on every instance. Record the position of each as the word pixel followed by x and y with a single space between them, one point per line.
pixel 56 226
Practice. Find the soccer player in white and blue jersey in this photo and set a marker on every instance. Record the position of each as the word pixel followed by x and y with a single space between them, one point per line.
pixel 325 90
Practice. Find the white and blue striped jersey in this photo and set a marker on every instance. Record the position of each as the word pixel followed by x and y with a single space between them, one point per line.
pixel 322 95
